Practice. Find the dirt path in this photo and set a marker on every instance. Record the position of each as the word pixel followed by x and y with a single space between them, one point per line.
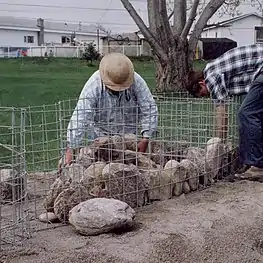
pixel 221 224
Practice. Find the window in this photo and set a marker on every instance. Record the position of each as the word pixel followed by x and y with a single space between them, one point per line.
pixel 28 39
pixel 65 39
pixel 259 34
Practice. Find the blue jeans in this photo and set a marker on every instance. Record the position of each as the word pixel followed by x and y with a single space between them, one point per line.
pixel 250 117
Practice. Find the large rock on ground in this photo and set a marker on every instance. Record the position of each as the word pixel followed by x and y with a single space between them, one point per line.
pixel 214 157
pixel 101 215
pixel 126 183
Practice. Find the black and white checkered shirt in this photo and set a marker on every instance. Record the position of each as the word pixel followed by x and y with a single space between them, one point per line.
pixel 234 71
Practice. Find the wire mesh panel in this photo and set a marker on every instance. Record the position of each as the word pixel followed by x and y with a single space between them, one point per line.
pixel 182 155
pixel 14 220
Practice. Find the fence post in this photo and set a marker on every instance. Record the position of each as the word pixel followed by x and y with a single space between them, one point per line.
pixel 8 52
pixel 123 49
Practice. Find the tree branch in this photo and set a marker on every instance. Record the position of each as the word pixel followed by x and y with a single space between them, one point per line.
pixel 179 16
pixel 164 20
pixel 207 13
pixel 145 31
pixel 153 15
pixel 190 20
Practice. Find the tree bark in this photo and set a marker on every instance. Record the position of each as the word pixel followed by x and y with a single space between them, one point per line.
pixel 179 16
pixel 172 75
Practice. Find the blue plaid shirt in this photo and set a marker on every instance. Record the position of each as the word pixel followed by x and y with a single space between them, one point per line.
pixel 234 71
pixel 100 112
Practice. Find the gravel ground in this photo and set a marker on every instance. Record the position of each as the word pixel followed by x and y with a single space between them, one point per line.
pixel 220 224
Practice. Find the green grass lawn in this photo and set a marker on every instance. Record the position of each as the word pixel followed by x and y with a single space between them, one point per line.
pixel 38 85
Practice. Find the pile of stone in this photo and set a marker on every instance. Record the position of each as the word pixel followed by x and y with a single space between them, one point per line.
pixel 112 168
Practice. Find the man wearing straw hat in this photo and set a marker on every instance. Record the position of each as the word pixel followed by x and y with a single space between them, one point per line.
pixel 238 71
pixel 113 101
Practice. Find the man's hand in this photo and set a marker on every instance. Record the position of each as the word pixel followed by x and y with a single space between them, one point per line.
pixel 142 145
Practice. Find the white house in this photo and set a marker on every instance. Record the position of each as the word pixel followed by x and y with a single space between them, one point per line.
pixel 245 29
pixel 23 33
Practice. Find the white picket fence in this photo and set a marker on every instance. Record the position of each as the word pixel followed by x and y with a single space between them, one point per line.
pixel 66 51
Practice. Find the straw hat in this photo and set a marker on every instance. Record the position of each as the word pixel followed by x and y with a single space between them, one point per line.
pixel 116 71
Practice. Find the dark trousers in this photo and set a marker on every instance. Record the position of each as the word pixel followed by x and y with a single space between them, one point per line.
pixel 250 117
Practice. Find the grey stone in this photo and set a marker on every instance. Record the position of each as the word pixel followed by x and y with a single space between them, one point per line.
pixel 141 160
pixel 55 189
pixel 178 174
pixel 48 217
pixel 72 173
pixel 69 198
pixel 131 142
pixel 126 183
pixel 214 157
pixel 160 184
pixel 86 156
pixel 93 173
pixel 192 173
pixel 186 188
pixel 101 215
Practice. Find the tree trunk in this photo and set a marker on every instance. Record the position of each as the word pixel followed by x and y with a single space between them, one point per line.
pixel 172 75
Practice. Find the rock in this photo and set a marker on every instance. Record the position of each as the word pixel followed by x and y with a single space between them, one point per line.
pixel 55 189
pixel 192 173
pixel 101 215
pixel 138 159
pixel 157 152
pixel 186 188
pixel 73 173
pixel 196 155
pixel 214 157
pixel 93 174
pixel 12 186
pixel 69 198
pixel 131 142
pixel 106 150
pixel 160 184
pixel 126 183
pixel 174 150
pixel 48 217
pixel 177 172
pixel 85 157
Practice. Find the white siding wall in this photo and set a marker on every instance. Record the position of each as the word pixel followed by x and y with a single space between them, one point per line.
pixel 16 38
pixel 241 31
pixel 56 38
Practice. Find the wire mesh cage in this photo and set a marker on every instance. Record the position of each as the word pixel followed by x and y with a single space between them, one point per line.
pixel 14 223
pixel 182 154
